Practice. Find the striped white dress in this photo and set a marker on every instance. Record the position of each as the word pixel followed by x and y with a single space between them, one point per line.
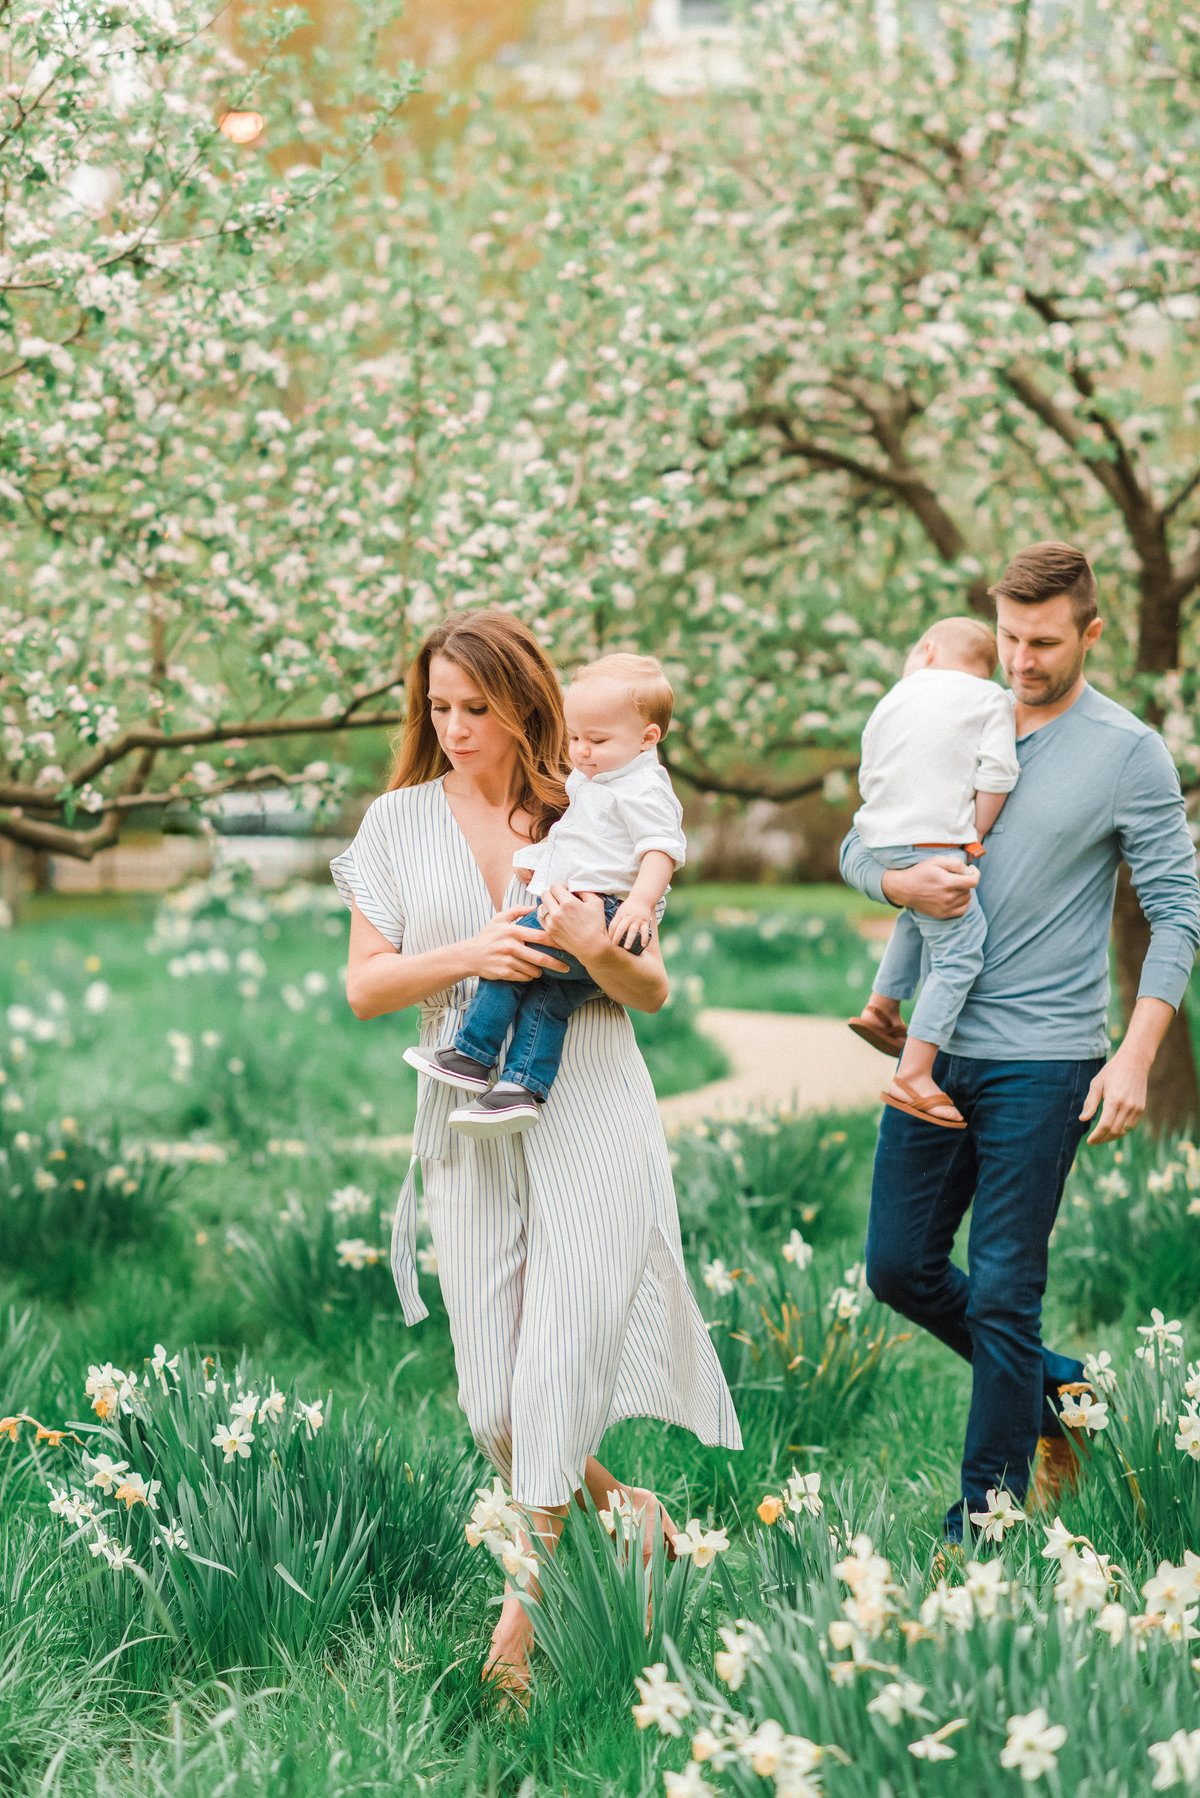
pixel 558 1251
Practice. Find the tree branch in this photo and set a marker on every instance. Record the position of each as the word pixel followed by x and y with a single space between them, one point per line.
pixel 143 737
pixel 705 781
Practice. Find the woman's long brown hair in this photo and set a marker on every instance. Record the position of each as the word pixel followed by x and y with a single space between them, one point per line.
pixel 510 668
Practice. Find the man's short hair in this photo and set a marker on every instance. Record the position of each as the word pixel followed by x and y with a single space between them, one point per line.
pixel 968 640
pixel 1046 571
pixel 649 688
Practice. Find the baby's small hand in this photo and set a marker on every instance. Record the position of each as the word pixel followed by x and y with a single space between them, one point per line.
pixel 524 875
pixel 631 921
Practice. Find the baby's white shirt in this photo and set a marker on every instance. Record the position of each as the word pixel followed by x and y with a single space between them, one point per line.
pixel 612 820
pixel 935 740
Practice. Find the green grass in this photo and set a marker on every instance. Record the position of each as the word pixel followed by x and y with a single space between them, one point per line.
pixel 339 1653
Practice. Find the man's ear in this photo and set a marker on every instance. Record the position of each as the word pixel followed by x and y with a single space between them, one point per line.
pixel 1093 633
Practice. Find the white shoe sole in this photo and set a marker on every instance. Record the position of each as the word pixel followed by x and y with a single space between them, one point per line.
pixel 424 1064
pixel 492 1123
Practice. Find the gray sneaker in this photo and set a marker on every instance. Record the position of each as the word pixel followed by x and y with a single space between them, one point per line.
pixel 497 1114
pixel 448 1066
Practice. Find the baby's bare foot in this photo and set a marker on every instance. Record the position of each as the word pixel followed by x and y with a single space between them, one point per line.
pixel 923 1086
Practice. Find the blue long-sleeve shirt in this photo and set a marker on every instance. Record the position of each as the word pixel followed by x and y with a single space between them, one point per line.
pixel 1097 786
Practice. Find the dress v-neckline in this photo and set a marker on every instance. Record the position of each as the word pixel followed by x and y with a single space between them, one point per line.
pixel 473 858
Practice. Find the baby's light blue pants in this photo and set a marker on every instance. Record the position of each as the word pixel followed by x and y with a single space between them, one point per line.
pixel 950 949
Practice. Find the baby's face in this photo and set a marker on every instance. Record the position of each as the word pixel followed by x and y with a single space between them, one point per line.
pixel 604 727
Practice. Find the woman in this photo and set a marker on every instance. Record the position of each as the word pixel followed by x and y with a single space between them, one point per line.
pixel 558 1251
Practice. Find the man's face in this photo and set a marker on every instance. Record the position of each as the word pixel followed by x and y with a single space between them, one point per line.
pixel 1041 652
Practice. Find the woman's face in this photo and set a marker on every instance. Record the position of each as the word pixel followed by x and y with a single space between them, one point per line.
pixel 466 729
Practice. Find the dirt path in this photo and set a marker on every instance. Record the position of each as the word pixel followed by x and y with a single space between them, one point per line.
pixel 782 1060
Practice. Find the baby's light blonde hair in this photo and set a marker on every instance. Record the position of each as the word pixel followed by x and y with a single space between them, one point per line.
pixel 649 688
pixel 967 640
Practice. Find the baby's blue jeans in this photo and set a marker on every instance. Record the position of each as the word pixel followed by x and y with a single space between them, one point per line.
pixel 536 1011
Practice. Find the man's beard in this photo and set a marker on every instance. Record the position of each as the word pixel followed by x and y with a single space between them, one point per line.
pixel 1050 692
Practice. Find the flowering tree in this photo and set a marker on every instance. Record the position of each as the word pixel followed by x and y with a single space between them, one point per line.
pixel 816 362
pixel 757 382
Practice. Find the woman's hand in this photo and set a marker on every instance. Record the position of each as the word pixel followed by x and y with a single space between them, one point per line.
pixel 503 950
pixel 577 925
pixel 574 921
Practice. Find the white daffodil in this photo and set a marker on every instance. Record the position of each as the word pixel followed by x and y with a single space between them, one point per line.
pixel 717 1277
pixel 1176 1761
pixel 104 1472
pixel 494 1520
pixel 797 1251
pixel 118 1556
pixel 1083 1412
pixel 703 1545
pixel 234 1439
pixel 935 1747
pixel 313 1415
pixel 273 1404
pixel 1033 1744
pixel 173 1537
pixel 987 1585
pixel 1181 1628
pixel 1100 1371
pixel 1162 1338
pixel 897 1700
pixel 160 1367
pixel 1002 1514
pixel 351 1201
pixel 803 1493
pixel 72 1507
pixel 245 1407
pixel 743 1643
pixel 1172 1589
pixel 774 1754
pixel 691 1783
pixel 1083 1582
pixel 620 1509
pixel 951 1605
pixel 134 1490
pixel 519 1565
pixel 1058 1540
pixel 843 1302
pixel 356 1252
pixel 663 1701
pixel 1191 1385
pixel 1113 1621
pixel 1187 1439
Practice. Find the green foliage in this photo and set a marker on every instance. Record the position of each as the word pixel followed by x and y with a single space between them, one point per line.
pixel 287 1531
pixel 606 1608
pixel 1129 1233
pixel 71 1200
pixel 766 960
pixel 761 1176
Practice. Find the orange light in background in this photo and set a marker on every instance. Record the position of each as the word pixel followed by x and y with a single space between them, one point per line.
pixel 241 127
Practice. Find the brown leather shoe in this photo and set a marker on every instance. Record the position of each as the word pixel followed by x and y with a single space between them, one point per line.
pixel 1057 1468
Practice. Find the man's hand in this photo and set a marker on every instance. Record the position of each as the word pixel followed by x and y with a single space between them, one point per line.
pixel 939 888
pixel 1121 1084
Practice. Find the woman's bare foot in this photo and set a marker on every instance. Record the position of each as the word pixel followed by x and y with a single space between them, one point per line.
pixel 644 1501
pixel 506 1669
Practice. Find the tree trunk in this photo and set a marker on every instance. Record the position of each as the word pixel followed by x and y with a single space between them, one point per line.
pixel 11 880
pixel 1174 1096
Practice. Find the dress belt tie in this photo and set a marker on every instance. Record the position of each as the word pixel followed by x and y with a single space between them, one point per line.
pixel 429 1142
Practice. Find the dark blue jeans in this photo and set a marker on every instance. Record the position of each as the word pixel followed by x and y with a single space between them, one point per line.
pixel 535 1010
pixel 1012 1160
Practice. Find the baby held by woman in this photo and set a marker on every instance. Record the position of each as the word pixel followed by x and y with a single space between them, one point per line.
pixel 621 837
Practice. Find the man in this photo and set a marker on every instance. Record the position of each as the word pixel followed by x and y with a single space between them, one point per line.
pixel 1026 1066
